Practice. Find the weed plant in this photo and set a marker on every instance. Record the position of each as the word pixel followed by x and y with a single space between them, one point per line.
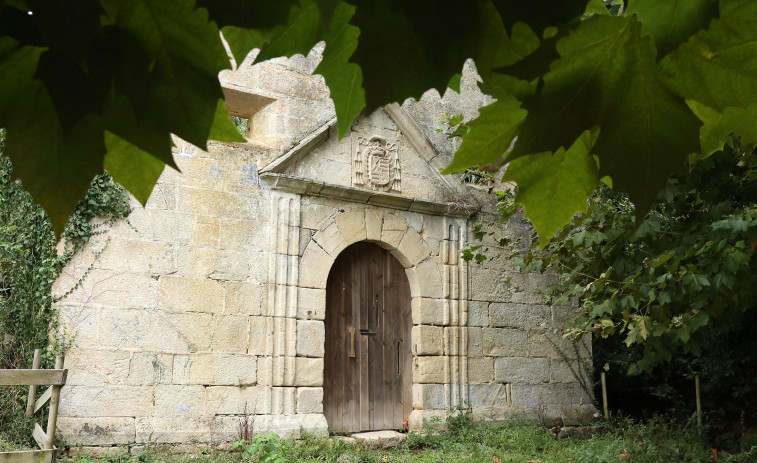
pixel 516 441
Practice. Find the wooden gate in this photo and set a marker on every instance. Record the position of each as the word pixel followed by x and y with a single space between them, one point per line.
pixel 367 376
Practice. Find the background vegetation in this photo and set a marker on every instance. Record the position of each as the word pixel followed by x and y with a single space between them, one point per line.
pixel 29 265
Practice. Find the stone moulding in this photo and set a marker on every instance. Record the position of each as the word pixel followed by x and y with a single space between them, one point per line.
pixel 304 186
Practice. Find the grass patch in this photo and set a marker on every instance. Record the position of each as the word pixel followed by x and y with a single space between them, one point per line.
pixel 515 441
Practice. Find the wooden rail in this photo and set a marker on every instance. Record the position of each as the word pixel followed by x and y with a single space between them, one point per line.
pixel 56 379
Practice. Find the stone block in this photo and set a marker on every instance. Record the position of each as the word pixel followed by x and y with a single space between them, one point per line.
pixel 480 370
pixel 352 226
pixel 487 284
pixel 330 239
pixel 106 401
pixel 309 400
pixel 155 330
pixel 311 338
pixel 246 234
pixel 308 371
pixel 311 304
pixel 381 439
pixel 428 396
pixel 314 267
pixel 206 231
pixel 215 203
pixel 427 311
pixel 552 345
pixel 521 370
pixel 427 340
pixel 505 342
pixel 478 313
pixel 413 247
pixel 242 297
pixel 183 401
pixel 138 256
pixel 234 265
pixel 235 400
pixel 286 426
pixel 488 395
pixel 191 295
pixel 435 418
pixel 429 277
pixel 198 262
pixel 261 336
pixel 373 222
pixel 96 430
pixel 148 368
pixel 475 342
pixel 429 369
pixel 215 369
pixel 122 290
pixel 564 372
pixel 88 367
pixel 231 334
pixel 173 430
pixel 525 316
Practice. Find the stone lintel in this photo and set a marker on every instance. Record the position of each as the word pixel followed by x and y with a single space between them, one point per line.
pixel 300 185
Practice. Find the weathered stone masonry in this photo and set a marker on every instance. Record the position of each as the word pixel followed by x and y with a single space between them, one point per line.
pixel 210 302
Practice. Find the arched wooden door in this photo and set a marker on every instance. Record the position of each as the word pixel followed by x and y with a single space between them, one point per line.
pixel 367 377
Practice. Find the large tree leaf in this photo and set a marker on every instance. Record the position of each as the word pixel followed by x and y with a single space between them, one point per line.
pixel 719 127
pixel 345 79
pixel 672 22
pixel 718 67
pixel 17 68
pixel 298 36
pixel 223 128
pixel 56 168
pixel 241 41
pixel 490 136
pixel 607 77
pixel 134 169
pixel 406 48
pixel 554 187
pixel 539 14
pixel 56 19
pixel 185 56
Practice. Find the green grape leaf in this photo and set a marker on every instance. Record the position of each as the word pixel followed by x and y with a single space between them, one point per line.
pixel 223 128
pixel 607 77
pixel 241 41
pixel 184 55
pixel 718 66
pixel 55 168
pixel 135 169
pixel 554 187
pixel 672 22
pixel 345 79
pixel 719 126
pixel 17 68
pixel 298 36
pixel 406 48
pixel 489 136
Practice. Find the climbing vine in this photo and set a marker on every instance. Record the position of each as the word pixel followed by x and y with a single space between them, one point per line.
pixel 30 262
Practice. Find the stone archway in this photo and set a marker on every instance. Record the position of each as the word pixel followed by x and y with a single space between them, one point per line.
pixel 367 367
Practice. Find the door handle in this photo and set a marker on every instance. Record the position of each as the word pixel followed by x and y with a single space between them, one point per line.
pixel 351 334
pixel 366 332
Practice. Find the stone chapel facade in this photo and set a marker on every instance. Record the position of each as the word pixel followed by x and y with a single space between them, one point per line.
pixel 303 282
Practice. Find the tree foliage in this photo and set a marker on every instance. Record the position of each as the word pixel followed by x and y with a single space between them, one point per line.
pixel 662 83
pixel 668 282
pixel 29 265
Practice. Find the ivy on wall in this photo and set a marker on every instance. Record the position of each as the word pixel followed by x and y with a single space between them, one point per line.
pixel 29 265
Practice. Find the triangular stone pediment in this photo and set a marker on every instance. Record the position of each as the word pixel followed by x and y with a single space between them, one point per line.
pixel 385 160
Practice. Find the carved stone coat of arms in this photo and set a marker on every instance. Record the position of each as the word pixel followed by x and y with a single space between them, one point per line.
pixel 376 164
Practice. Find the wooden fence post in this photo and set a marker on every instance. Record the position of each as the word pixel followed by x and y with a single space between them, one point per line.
pixel 699 405
pixel 604 396
pixel 33 388
pixel 52 417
